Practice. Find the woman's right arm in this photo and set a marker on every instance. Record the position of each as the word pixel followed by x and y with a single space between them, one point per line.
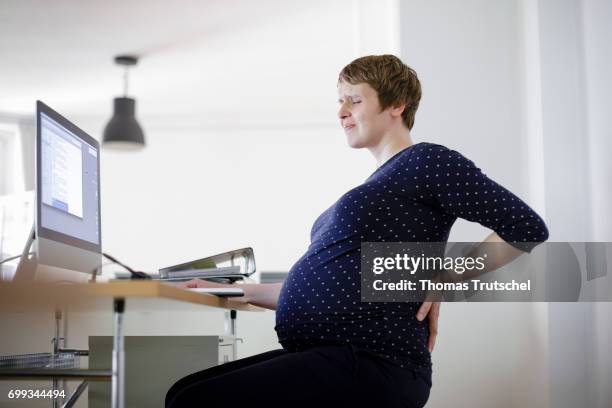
pixel 259 294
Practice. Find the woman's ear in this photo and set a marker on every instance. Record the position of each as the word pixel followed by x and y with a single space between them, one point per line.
pixel 397 111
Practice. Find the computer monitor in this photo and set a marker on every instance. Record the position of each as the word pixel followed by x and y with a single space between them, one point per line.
pixel 68 242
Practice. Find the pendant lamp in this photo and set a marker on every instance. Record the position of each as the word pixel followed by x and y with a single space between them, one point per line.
pixel 123 131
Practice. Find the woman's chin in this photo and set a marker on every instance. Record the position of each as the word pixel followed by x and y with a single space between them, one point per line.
pixel 355 143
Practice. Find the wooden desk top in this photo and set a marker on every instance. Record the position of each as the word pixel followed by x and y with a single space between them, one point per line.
pixel 20 294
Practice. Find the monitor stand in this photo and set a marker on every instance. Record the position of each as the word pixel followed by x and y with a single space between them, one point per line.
pixel 28 264
pixel 30 267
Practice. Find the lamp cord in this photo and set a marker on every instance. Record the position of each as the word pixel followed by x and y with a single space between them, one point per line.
pixel 125 82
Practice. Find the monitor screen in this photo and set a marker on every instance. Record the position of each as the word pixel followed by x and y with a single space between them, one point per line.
pixel 68 187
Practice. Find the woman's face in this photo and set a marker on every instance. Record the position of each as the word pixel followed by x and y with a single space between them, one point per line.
pixel 360 116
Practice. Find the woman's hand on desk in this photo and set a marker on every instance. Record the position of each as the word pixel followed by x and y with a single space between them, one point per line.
pixel 199 283
pixel 259 294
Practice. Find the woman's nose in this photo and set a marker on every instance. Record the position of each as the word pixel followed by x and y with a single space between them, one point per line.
pixel 343 112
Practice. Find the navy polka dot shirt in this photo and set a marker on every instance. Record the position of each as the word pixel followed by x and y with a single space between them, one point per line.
pixel 415 196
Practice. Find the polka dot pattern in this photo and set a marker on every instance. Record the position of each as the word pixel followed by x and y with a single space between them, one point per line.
pixel 415 196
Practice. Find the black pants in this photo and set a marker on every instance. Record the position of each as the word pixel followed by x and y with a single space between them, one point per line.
pixel 325 376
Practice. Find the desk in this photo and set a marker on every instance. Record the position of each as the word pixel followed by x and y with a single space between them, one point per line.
pixel 45 296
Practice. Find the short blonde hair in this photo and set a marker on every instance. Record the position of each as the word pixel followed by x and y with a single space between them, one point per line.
pixel 394 82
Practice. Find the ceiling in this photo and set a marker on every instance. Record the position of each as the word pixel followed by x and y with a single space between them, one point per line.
pixel 203 63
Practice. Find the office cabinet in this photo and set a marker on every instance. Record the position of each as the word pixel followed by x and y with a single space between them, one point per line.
pixel 153 364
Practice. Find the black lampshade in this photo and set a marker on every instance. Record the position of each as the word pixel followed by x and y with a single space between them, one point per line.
pixel 123 131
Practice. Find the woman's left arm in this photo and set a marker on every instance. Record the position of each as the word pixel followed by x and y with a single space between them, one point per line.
pixel 457 186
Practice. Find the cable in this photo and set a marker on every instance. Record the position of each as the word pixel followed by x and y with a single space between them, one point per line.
pixel 135 274
pixel 12 258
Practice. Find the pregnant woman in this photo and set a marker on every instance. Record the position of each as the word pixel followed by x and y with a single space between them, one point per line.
pixel 336 349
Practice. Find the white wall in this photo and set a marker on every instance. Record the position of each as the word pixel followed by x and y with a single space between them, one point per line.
pixel 11 177
pixel 596 15
pixel 190 194
pixel 577 133
pixel 518 86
